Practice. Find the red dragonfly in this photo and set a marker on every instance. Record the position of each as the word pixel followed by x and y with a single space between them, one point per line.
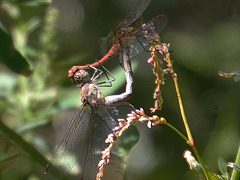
pixel 128 34
pixel 85 137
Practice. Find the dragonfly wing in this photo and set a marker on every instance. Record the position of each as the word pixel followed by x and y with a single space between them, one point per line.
pixel 134 14
pixel 105 120
pixel 74 146
pixel 159 23
pixel 97 145
pixel 117 111
pixel 104 47
pixel 136 45
pixel 139 42
pixel 106 43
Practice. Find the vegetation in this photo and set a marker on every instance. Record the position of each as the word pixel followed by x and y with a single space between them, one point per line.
pixel 40 41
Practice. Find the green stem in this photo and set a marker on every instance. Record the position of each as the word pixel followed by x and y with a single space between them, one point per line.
pixel 177 131
pixel 235 173
pixel 185 122
pixel 189 140
pixel 201 162
pixel 193 147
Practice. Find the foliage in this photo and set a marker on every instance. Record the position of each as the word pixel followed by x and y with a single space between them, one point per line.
pixel 44 44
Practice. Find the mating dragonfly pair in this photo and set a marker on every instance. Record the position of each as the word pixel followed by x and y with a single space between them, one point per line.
pixel 98 115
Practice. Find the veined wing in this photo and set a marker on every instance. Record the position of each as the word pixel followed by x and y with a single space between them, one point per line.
pixel 140 42
pixel 73 148
pixel 133 15
pixel 104 121
pixel 107 42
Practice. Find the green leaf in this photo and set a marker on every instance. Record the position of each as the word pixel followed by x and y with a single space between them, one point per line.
pixel 129 139
pixel 222 165
pixel 12 58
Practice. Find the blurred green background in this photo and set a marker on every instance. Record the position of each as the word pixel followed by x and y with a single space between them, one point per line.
pixel 204 38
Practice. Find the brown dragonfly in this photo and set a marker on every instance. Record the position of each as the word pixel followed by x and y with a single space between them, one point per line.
pixel 85 137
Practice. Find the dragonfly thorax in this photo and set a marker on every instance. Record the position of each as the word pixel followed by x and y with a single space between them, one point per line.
pixel 90 94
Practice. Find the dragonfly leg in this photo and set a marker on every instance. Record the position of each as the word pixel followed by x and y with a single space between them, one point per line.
pixel 129 81
pixel 97 73
pixel 103 84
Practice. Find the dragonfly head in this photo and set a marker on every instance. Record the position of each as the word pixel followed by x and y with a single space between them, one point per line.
pixel 81 77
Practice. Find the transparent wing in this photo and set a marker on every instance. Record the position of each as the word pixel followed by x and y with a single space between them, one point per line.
pixel 104 121
pixel 85 138
pixel 106 43
pixel 139 42
pixel 73 147
pixel 134 14
pixel 159 23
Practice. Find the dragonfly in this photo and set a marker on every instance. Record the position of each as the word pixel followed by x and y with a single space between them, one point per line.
pixel 128 33
pixel 124 30
pixel 90 125
pixel 128 38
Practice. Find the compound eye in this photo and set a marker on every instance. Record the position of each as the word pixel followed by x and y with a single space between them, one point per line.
pixel 81 77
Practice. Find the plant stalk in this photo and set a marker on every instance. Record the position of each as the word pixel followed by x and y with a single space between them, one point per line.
pixel 235 173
